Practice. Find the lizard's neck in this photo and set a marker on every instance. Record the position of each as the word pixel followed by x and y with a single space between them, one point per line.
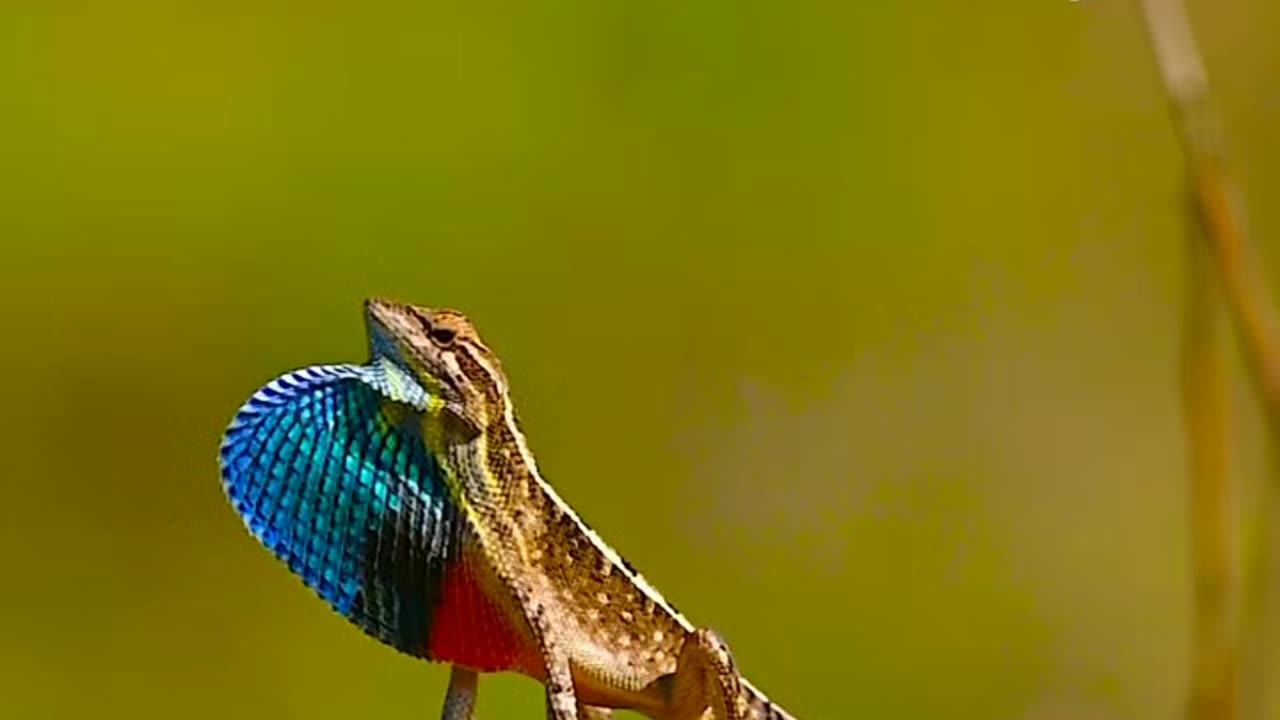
pixel 494 478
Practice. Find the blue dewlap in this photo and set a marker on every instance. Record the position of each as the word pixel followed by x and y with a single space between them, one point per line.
pixel 328 469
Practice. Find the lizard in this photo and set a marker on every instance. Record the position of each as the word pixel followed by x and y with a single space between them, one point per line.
pixel 403 492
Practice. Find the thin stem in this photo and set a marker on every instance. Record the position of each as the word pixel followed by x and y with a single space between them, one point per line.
pixel 1215 669
pixel 1215 653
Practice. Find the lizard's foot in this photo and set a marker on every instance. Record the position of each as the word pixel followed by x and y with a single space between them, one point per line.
pixel 707 685
pixel 591 712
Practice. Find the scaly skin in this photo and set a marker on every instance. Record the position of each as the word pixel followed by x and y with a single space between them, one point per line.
pixel 526 585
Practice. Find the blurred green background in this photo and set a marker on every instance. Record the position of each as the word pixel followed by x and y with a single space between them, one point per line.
pixel 853 325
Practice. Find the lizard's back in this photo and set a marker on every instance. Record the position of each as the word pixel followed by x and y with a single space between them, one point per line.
pixel 624 635
pixel 625 640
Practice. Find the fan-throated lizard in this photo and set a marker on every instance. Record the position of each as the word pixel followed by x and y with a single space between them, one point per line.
pixel 403 493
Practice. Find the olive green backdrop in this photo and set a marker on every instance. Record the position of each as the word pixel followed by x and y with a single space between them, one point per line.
pixel 853 325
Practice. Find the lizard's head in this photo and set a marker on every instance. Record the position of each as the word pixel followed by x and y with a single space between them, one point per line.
pixel 443 351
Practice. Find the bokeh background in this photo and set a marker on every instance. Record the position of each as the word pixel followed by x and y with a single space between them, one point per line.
pixel 853 325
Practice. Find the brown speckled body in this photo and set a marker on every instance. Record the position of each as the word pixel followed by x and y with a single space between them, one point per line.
pixel 604 637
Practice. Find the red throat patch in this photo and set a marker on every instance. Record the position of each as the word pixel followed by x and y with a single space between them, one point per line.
pixel 472 630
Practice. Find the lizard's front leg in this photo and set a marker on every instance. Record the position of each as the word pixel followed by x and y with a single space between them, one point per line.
pixel 562 700
pixel 706 683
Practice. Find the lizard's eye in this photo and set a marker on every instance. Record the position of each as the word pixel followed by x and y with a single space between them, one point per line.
pixel 442 335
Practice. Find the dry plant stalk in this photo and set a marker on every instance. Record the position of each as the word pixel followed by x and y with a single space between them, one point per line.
pixel 1219 207
pixel 1215 652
